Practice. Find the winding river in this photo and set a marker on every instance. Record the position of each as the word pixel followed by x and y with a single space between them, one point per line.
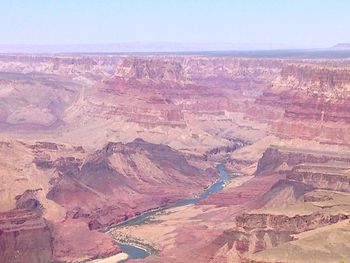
pixel 135 252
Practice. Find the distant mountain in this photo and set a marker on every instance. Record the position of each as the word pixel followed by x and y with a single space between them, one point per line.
pixel 342 46
pixel 140 47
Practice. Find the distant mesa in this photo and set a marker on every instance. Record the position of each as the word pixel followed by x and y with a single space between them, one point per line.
pixel 342 46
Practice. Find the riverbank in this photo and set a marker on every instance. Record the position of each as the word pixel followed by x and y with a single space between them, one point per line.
pixel 134 245
pixel 118 258
pixel 127 240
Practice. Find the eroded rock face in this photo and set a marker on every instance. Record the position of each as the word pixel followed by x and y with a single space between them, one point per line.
pixel 309 102
pixel 322 180
pixel 274 157
pixel 28 200
pixel 139 169
pixel 24 237
pixel 287 98
pixel 153 69
pixel 329 82
pixel 205 106
pixel 74 241
pixel 294 224
pixel 34 101
pixel 303 173
pixel 71 194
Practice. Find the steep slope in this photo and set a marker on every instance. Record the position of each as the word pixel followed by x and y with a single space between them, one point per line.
pixel 297 203
pixel 59 194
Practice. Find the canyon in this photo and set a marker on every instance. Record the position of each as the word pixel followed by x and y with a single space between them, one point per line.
pixel 88 142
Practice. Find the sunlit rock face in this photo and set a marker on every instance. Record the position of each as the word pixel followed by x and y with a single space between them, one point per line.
pixel 76 192
pixel 90 141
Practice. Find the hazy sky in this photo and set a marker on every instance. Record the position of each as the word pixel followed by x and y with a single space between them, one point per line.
pixel 293 22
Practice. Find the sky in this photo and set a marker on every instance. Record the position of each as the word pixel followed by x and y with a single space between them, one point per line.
pixel 292 23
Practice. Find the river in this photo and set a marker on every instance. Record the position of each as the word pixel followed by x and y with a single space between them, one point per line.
pixel 136 252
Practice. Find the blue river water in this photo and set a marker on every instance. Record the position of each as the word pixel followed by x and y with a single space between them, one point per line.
pixel 138 253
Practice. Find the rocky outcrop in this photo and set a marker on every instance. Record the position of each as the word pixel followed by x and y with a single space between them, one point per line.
pixel 234 242
pixel 24 237
pixel 74 241
pixel 258 232
pixel 141 169
pixel 329 179
pixel 285 192
pixel 307 101
pixel 28 200
pixel 69 194
pixel 295 224
pixel 274 157
pixel 329 82
pixel 320 170
pixel 292 204
pixel 152 69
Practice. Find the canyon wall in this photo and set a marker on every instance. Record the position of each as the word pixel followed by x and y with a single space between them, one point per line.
pixel 69 193
pixel 90 141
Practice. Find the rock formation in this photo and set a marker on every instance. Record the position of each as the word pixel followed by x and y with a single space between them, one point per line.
pixel 90 141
